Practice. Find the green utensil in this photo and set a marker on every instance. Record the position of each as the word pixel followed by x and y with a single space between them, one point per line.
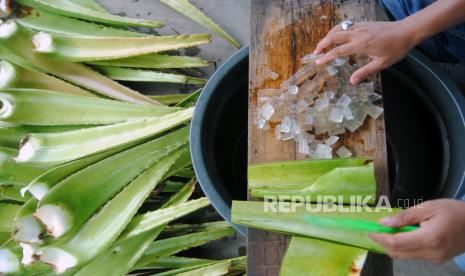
pixel 355 225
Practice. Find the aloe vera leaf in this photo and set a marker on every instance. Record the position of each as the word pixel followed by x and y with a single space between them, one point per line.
pixel 103 228
pixel 79 49
pixel 295 175
pixel 170 99
pixel 170 246
pixel 43 107
pixel 154 61
pixel 266 216
pixel 14 76
pixel 8 213
pixel 96 184
pixel 90 4
pixel 172 186
pixel 174 262
pixel 127 74
pixel 339 182
pixel 121 256
pixel 39 20
pixel 190 11
pixel 71 9
pixel 27 227
pixel 182 229
pixel 191 100
pixel 56 148
pixel 184 161
pixel 10 261
pixel 10 137
pixel 215 269
pixel 17 174
pixel 321 258
pixel 12 192
pixel 17 47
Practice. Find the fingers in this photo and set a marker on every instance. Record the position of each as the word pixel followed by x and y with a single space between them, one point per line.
pixel 335 36
pixel 340 51
pixel 402 242
pixel 371 68
pixel 410 216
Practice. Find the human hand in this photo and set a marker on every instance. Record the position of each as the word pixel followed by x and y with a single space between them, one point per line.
pixel 440 237
pixel 384 42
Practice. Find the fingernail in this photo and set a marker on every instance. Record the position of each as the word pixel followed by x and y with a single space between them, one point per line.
pixel 387 221
pixel 318 61
pixel 355 80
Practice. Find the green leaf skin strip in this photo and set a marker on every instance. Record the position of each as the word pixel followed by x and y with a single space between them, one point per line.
pixel 14 76
pixel 190 11
pixel 57 148
pixel 267 217
pixel 7 215
pixel 321 258
pixel 81 49
pixel 103 228
pixel 39 20
pixel 295 175
pixel 16 46
pixel 71 202
pixel 339 182
pixel 68 8
pixel 127 74
pixel 43 107
pixel 17 174
pixel 153 61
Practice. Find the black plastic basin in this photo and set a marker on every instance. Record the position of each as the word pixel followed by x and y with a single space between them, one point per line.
pixel 425 128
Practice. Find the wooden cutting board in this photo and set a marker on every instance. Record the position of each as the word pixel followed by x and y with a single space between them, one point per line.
pixel 282 32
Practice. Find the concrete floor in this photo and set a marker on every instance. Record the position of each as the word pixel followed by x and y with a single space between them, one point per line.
pixel 233 16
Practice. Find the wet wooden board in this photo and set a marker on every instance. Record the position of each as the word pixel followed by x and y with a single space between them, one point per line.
pixel 282 31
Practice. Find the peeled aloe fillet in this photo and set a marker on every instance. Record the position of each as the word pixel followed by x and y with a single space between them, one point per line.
pixel 88 48
pixel 56 148
pixel 17 174
pixel 15 46
pixel 43 107
pixel 345 182
pixel 40 20
pixel 295 175
pixel 266 216
pixel 189 10
pixel 95 185
pixel 7 215
pixel 127 74
pixel 321 258
pixel 103 228
pixel 14 76
pixel 154 61
pixel 68 8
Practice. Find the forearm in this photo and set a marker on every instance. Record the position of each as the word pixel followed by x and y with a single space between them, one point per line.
pixel 435 18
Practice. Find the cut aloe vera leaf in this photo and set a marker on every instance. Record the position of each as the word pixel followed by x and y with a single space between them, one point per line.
pixel 8 213
pixel 169 99
pixel 79 49
pixel 13 193
pixel 59 210
pixel 90 4
pixel 127 74
pixel 170 246
pixel 322 258
pixel 39 20
pixel 217 268
pixel 190 11
pixel 14 76
pixel 344 183
pixel 11 137
pixel 295 175
pixel 266 216
pixel 16 47
pixel 191 100
pixel 71 9
pixel 43 107
pixel 183 229
pixel 10 261
pixel 27 227
pixel 17 174
pixel 56 148
pixel 174 262
pixel 154 61
pixel 102 229
pixel 172 186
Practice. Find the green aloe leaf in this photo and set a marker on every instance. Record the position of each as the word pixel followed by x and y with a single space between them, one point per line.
pixel 76 10
pixel 103 228
pixel 174 262
pixel 78 49
pixel 39 20
pixel 7 215
pixel 169 99
pixel 191 100
pixel 71 202
pixel 43 107
pixel 190 11
pixel 154 61
pixel 15 76
pixel 27 227
pixel 10 260
pixel 216 269
pixel 90 4
pixel 17 174
pixel 266 216
pixel 12 192
pixel 183 229
pixel 170 186
pixel 295 175
pixel 56 148
pixel 11 137
pixel 127 74
pixel 321 258
pixel 16 47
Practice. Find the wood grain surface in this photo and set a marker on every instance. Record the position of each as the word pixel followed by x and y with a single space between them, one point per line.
pixel 282 32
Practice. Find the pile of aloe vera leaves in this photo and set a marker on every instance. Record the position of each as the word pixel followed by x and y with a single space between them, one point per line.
pixel 320 242
pixel 94 176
